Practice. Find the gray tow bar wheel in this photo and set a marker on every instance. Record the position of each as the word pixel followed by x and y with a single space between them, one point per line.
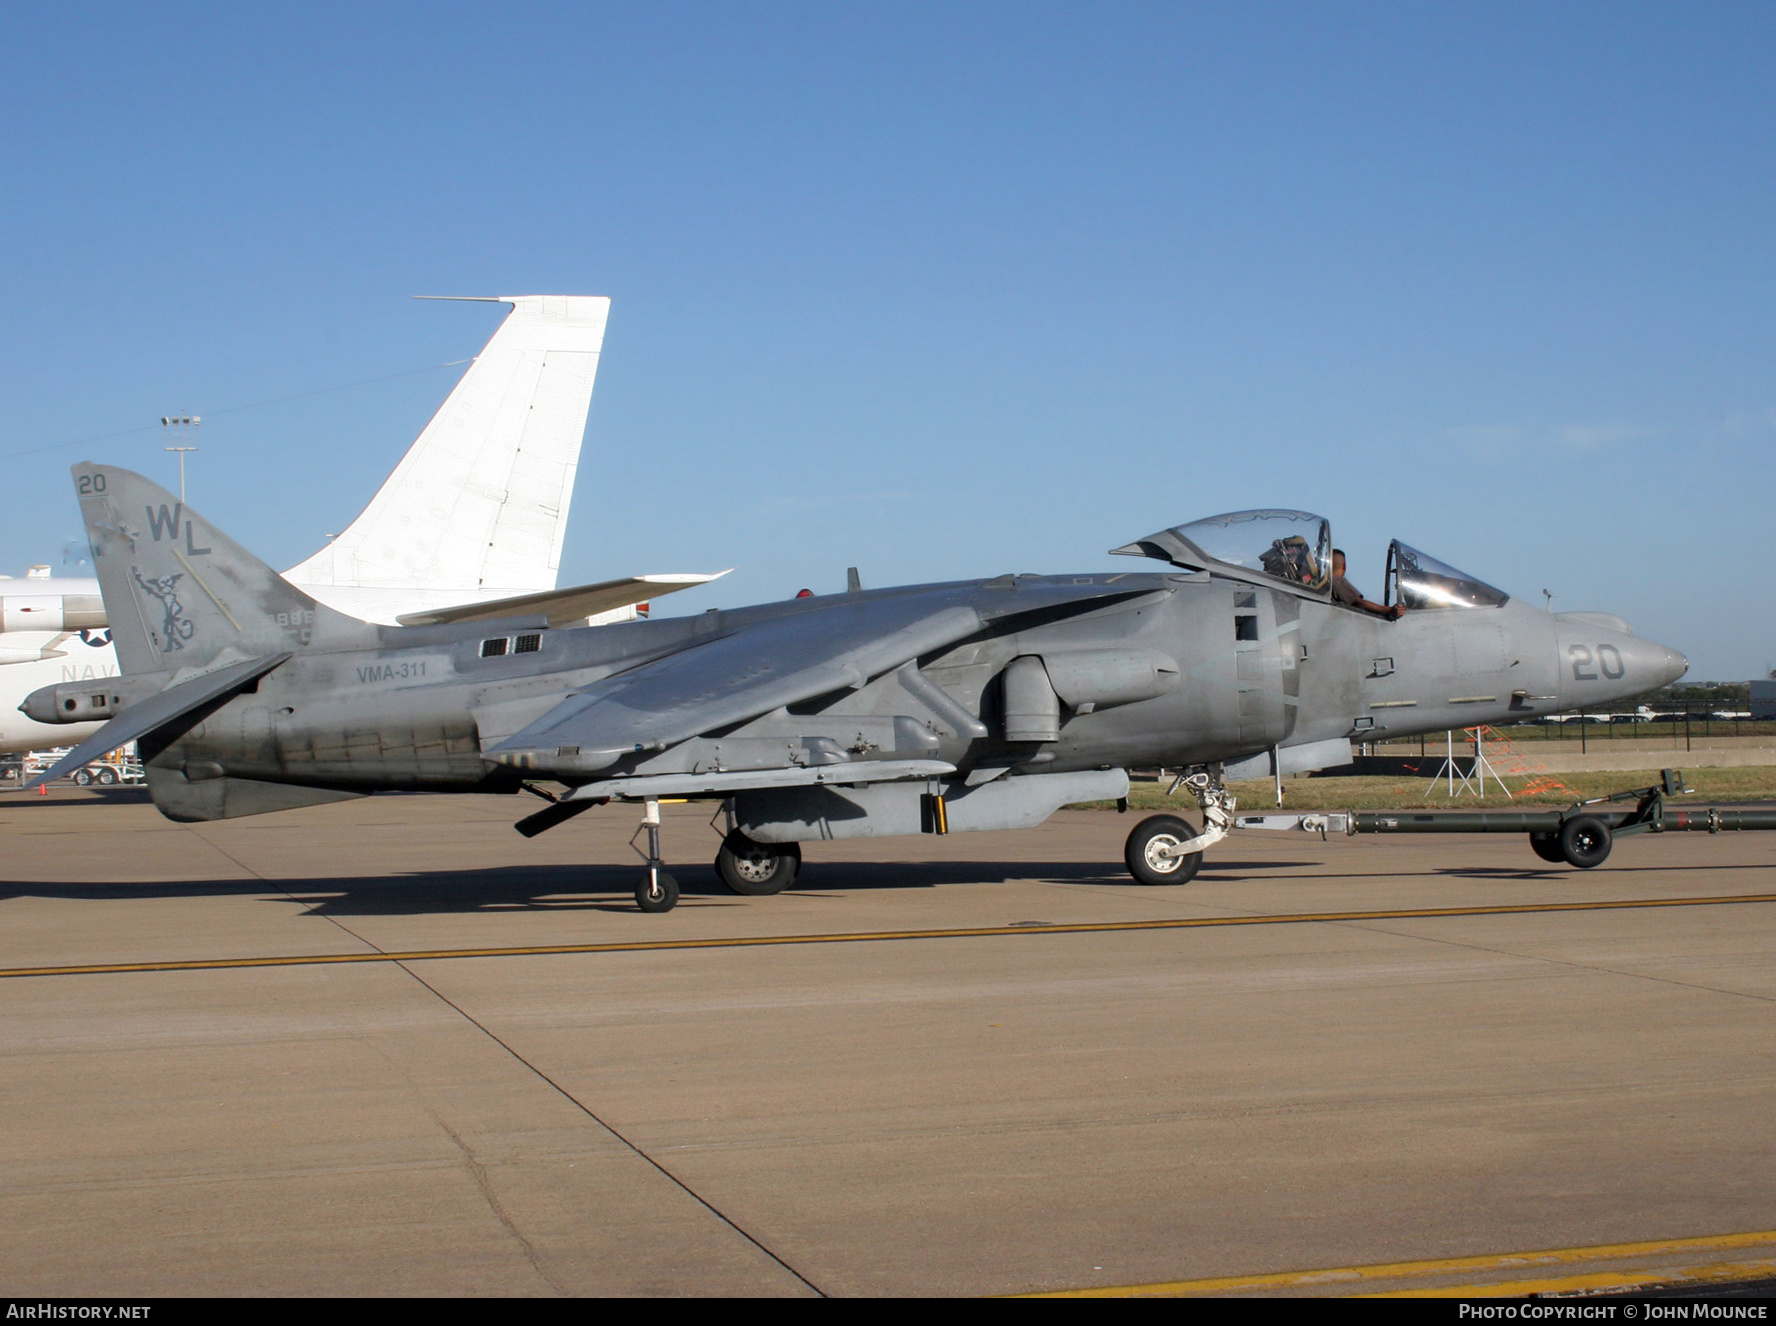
pixel 1585 842
pixel 1547 846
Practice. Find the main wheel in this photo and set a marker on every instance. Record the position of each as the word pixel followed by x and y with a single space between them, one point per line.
pixel 1585 842
pixel 107 777
pixel 757 869
pixel 1144 851
pixel 1547 846
pixel 83 778
pixel 657 891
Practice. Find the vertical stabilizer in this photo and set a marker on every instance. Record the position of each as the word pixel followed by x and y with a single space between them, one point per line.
pixel 182 596
pixel 479 503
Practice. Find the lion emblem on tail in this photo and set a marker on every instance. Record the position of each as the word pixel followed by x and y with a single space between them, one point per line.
pixel 177 627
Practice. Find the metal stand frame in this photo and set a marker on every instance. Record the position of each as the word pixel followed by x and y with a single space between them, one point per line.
pixel 1476 777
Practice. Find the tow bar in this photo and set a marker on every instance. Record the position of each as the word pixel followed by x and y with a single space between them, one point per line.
pixel 1581 834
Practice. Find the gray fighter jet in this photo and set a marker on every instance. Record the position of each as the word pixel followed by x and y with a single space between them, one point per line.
pixel 980 704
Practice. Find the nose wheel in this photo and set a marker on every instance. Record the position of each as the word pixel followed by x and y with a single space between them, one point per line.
pixel 657 891
pixel 1164 849
pixel 1152 852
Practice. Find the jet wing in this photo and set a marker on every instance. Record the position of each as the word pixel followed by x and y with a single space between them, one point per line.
pixel 564 606
pixel 763 666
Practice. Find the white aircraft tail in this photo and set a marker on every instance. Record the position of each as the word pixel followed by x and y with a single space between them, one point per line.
pixel 479 503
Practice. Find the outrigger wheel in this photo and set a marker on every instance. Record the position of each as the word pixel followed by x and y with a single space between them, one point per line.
pixel 1148 851
pixel 657 892
pixel 757 869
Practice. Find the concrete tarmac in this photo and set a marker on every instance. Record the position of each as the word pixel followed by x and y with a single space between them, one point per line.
pixel 1003 1113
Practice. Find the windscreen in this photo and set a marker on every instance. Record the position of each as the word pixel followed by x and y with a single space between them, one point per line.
pixel 1295 546
pixel 1423 582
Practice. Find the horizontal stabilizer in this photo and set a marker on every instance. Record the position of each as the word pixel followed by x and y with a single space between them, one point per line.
pixel 157 711
pixel 564 607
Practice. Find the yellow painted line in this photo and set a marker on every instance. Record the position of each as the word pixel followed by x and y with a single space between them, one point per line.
pixel 877 936
pixel 223 607
pixel 1335 1275
pixel 1668 1275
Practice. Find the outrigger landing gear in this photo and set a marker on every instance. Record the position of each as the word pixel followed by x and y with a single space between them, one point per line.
pixel 657 891
pixel 1162 849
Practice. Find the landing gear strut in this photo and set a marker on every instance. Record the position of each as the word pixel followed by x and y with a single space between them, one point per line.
pixel 657 891
pixel 1163 849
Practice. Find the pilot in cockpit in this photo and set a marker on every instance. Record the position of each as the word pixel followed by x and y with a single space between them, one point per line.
pixel 1292 560
pixel 1348 594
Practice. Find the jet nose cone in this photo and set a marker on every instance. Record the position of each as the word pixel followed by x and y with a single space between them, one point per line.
pixel 1651 664
pixel 1675 666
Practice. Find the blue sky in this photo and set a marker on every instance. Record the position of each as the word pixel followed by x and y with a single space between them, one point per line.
pixel 938 291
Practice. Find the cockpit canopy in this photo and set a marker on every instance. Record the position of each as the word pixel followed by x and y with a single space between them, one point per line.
pixel 1423 582
pixel 1292 546
pixel 1296 548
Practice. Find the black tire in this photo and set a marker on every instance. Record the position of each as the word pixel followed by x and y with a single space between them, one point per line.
pixel 107 777
pixel 661 897
pixel 757 870
pixel 1585 842
pixel 83 778
pixel 1547 846
pixel 1156 831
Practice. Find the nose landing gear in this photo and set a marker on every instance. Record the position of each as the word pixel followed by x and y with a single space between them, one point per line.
pixel 1163 849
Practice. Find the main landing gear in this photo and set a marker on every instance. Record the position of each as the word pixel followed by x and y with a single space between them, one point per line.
pixel 757 869
pixel 750 868
pixel 1164 849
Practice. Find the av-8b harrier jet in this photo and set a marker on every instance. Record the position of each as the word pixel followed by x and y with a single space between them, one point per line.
pixel 981 704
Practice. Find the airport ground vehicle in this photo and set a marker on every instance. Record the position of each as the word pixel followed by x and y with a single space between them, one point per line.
pixel 113 771
pixel 121 767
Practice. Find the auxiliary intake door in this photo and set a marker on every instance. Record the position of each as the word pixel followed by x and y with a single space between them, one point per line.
pixel 1266 665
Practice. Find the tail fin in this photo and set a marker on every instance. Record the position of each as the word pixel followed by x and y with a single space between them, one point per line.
pixel 480 500
pixel 180 594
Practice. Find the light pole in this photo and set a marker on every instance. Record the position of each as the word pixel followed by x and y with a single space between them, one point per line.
pixel 185 421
